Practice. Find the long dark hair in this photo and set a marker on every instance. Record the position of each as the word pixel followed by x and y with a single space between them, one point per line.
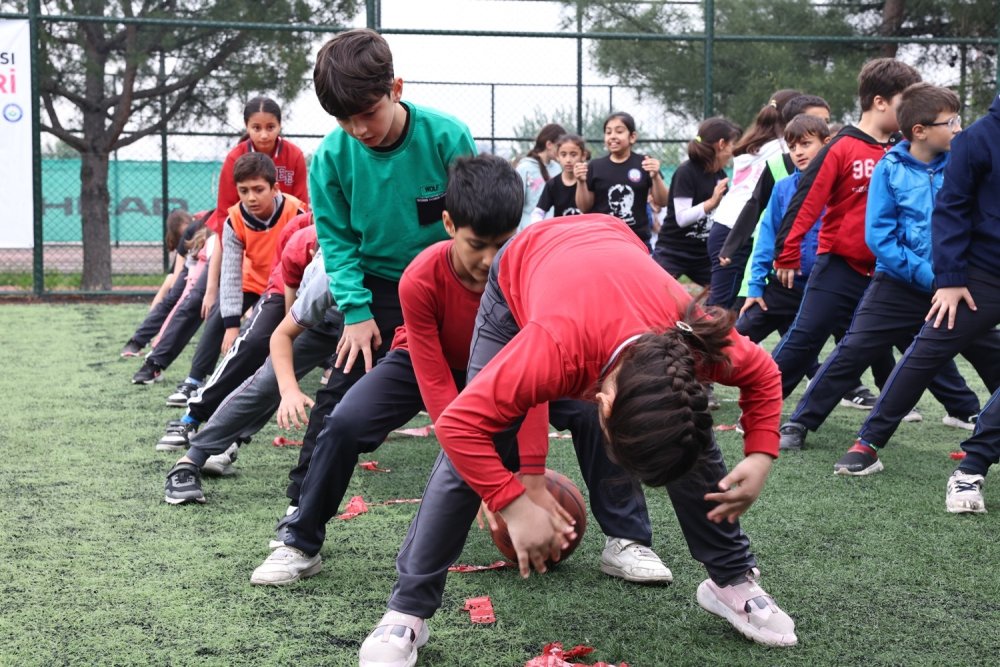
pixel 767 125
pixel 702 150
pixel 550 132
pixel 660 425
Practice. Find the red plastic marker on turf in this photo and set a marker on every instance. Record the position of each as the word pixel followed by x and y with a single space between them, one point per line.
pixel 480 610
pixel 282 441
pixel 958 456
pixel 373 466
pixel 498 565
pixel 553 655
pixel 354 507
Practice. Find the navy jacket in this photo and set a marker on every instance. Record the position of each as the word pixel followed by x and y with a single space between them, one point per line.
pixel 965 226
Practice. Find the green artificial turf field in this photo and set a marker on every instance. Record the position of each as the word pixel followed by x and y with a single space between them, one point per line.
pixel 95 569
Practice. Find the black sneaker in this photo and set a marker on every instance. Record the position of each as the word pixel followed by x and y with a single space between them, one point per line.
pixel 859 460
pixel 131 349
pixel 148 374
pixel 793 436
pixel 861 398
pixel 185 390
pixel 184 485
pixel 177 436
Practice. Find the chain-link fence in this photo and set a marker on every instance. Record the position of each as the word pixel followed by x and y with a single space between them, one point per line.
pixel 178 167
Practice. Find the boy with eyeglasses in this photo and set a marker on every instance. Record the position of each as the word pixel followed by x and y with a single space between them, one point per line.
pixel 897 230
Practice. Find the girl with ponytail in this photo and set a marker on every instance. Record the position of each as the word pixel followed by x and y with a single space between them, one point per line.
pixel 537 167
pixel 757 145
pixel 629 339
pixel 696 189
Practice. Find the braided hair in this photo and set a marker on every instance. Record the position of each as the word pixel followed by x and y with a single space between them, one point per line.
pixel 659 424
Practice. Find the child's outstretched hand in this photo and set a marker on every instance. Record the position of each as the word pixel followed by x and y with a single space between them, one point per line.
pixel 944 304
pixel 537 534
pixel 580 171
pixel 740 488
pixel 651 165
pixel 292 410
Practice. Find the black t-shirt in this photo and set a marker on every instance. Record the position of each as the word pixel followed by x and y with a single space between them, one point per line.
pixel 558 196
pixel 689 182
pixel 621 190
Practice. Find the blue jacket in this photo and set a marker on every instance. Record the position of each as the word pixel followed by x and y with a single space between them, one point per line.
pixel 966 221
pixel 763 255
pixel 898 218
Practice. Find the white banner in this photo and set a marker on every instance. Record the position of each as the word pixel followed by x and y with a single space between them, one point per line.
pixel 17 225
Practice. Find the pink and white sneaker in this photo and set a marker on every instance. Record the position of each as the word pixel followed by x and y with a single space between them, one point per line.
pixel 750 610
pixel 394 642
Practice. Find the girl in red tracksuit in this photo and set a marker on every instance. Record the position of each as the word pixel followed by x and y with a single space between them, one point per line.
pixel 628 336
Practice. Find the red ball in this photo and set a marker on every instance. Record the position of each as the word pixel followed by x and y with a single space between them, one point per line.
pixel 566 493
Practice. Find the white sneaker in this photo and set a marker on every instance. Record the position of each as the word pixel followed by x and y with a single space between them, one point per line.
pixel 965 494
pixel 913 416
pixel 960 422
pixel 394 642
pixel 222 464
pixel 286 565
pixel 632 561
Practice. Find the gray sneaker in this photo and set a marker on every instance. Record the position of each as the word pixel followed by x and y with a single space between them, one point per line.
pixel 176 437
pixel 184 485
pixel 221 465
pixel 284 566
pixel 793 436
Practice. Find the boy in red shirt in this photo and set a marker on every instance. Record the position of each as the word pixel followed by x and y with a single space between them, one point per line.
pixel 630 338
pixel 837 180
pixel 439 293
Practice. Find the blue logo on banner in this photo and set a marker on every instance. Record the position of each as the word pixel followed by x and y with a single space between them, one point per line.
pixel 13 113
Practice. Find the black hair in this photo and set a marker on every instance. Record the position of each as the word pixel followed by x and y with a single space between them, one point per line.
pixel 261 104
pixel 799 104
pixel 177 221
pixel 920 105
pixel 486 194
pixel 702 149
pixel 885 78
pixel 548 133
pixel 659 425
pixel 353 72
pixel 767 126
pixel 625 118
pixel 805 125
pixel 254 165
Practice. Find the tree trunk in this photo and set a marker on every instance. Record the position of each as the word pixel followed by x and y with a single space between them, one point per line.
pixel 892 21
pixel 94 205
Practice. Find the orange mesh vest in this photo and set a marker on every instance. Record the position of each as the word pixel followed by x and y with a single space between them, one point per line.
pixel 259 246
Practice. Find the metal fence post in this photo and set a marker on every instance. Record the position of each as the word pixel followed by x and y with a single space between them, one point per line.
pixel 164 163
pixel 493 118
pixel 38 252
pixel 579 68
pixel 709 55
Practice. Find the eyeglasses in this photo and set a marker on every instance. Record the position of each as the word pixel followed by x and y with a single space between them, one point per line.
pixel 952 123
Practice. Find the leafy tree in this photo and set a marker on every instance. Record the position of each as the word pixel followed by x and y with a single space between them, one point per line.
pixel 744 73
pixel 948 18
pixel 104 79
